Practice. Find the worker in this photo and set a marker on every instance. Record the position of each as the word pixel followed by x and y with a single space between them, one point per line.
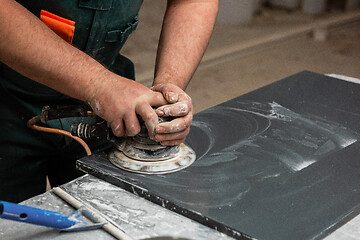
pixel 66 52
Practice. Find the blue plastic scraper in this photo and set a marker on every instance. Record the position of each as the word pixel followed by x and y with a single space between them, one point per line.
pixel 82 219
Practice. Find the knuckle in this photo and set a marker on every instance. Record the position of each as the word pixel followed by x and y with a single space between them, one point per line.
pixel 125 109
pixel 166 143
pixel 117 129
pixel 189 99
pixel 187 131
pixel 176 127
pixel 186 124
pixel 159 86
pixel 148 116
pixel 186 97
pixel 132 130
pixel 176 142
pixel 184 108
pixel 159 138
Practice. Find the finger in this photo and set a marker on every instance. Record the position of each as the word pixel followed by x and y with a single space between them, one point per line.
pixel 159 87
pixel 178 109
pixel 156 99
pixel 168 91
pixel 172 136
pixel 173 142
pixel 171 97
pixel 132 125
pixel 174 126
pixel 117 127
pixel 185 98
pixel 150 118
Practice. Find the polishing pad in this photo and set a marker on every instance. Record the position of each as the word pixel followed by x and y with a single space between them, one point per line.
pixel 140 154
pixel 147 158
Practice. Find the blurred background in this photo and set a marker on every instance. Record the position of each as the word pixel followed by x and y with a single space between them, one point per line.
pixel 257 42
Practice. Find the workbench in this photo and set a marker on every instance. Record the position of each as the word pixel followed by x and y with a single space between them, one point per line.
pixel 140 218
pixel 136 216
pixel 143 219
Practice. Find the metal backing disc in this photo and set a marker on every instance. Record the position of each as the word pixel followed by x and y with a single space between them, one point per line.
pixel 182 159
pixel 148 151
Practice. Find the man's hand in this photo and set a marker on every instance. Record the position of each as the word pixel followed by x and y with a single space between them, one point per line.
pixel 118 100
pixel 185 33
pixel 29 47
pixel 180 107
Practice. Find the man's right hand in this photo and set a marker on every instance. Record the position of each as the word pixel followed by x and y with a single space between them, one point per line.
pixel 29 47
pixel 118 100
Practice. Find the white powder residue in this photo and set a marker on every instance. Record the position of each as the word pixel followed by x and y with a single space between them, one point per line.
pixel 96 107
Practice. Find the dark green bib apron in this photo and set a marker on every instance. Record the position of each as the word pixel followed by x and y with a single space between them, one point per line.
pixel 27 156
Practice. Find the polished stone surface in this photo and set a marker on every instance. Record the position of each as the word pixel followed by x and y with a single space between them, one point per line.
pixel 280 162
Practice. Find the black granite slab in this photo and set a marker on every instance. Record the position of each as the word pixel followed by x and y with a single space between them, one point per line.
pixel 281 162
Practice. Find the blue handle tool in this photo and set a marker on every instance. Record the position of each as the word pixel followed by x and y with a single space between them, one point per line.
pixel 21 213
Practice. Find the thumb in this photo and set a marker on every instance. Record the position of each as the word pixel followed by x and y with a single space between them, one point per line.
pixel 170 96
pixel 157 99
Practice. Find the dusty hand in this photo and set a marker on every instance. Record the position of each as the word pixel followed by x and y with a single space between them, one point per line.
pixel 118 100
pixel 180 107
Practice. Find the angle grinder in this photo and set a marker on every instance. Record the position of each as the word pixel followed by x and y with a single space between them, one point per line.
pixel 138 154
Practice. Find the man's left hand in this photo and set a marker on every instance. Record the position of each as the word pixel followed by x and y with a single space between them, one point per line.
pixel 180 107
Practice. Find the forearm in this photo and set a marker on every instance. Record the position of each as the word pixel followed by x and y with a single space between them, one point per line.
pixel 29 47
pixel 185 34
